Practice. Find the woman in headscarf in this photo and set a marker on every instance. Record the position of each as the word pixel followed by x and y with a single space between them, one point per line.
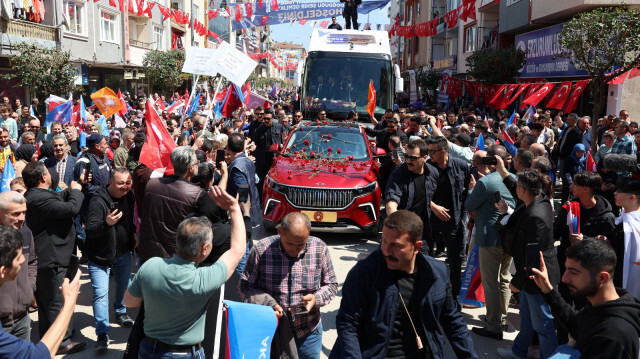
pixel 575 163
pixel 24 154
pixel 46 151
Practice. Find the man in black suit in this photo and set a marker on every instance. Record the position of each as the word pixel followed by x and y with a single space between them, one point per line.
pixel 50 216
pixel 570 137
pixel 350 13
pixel 531 225
pixel 267 134
pixel 61 162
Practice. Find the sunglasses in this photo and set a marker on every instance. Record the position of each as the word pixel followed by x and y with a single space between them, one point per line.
pixel 413 158
pixel 431 152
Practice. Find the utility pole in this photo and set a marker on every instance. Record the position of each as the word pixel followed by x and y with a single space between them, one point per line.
pixel 193 40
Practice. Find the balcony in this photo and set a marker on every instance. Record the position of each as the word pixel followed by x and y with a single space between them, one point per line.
pixel 26 31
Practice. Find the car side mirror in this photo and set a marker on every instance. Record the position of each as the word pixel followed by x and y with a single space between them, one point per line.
pixel 276 147
pixel 380 152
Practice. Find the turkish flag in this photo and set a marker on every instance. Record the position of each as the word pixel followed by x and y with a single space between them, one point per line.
pixel 532 89
pixel 121 5
pixel 497 97
pixel 238 13
pixel 470 89
pixel 618 80
pixel 560 97
pixel 635 72
pixel 166 13
pixel 249 9
pixel 470 8
pixel 112 3
pixel 274 4
pixel 123 111
pixel 156 152
pixel 324 24
pixel 489 93
pixel 452 18
pixel 263 20
pixel 303 21
pixel 371 97
pixel 149 9
pixel 539 95
pixel 508 95
pixel 575 95
pixel 520 89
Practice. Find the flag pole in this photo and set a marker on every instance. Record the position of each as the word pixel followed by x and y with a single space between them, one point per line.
pixel 213 100
pixel 216 341
pixel 193 90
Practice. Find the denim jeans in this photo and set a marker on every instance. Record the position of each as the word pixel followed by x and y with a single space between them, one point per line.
pixel 100 282
pixel 310 346
pixel 535 315
pixel 151 351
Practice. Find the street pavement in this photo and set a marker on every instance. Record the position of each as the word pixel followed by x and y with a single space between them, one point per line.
pixel 345 251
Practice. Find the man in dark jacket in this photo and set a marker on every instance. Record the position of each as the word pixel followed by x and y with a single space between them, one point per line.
pixel 382 135
pixel 447 206
pixel 571 136
pixel 350 13
pixel 397 302
pixel 110 241
pixel 17 295
pixel 609 326
pixel 95 162
pixel 411 187
pixel 267 134
pixel 50 218
pixel 531 224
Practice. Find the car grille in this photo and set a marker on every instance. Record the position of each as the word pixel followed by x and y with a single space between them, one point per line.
pixel 319 198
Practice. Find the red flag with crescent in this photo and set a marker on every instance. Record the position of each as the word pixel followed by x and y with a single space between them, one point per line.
pixel 575 95
pixel 560 96
pixel 539 95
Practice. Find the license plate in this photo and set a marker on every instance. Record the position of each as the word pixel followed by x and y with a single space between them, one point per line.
pixel 319 216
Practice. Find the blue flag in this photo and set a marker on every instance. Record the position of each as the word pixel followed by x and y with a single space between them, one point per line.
pixel 60 113
pixel 510 147
pixel 8 175
pixel 103 123
pixel 194 105
pixel 480 143
pixel 512 118
pixel 83 112
pixel 245 338
pixel 83 139
pixel 274 90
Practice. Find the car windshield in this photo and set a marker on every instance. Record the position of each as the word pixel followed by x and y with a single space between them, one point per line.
pixel 341 84
pixel 344 142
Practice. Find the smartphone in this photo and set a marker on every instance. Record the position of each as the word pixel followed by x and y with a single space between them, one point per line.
pixel 397 155
pixel 496 196
pixel 243 192
pixel 299 308
pixel 488 161
pixel 72 268
pixel 112 206
pixel 219 156
pixel 533 256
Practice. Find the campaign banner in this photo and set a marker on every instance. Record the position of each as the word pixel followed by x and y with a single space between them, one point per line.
pixel 245 339
pixel 300 10
pixel 471 291
pixel 541 46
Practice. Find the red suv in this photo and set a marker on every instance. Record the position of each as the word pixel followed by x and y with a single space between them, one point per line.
pixel 328 172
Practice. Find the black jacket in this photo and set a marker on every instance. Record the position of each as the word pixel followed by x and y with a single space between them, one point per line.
pixel 350 7
pixel 50 217
pixel 264 157
pixel 599 220
pixel 382 137
pixel 606 331
pixel 531 224
pixel 103 245
pixel 368 308
pixel 459 175
pixel 569 139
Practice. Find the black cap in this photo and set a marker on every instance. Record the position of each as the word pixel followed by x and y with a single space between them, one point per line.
pixel 464 139
pixel 628 185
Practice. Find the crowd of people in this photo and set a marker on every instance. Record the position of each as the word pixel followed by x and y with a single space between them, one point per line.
pixel 451 180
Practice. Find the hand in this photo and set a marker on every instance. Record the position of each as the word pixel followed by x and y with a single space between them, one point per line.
pixel 278 310
pixel 223 199
pixel 472 182
pixel 309 301
pixel 75 185
pixel 13 143
pixel 541 277
pixel 223 168
pixel 513 288
pixel 440 212
pixel 432 121
pixel 502 206
pixel 252 158
pixel 246 207
pixel 83 177
pixel 573 238
pixel 176 133
pixel 113 217
pixel 70 289
pixel 502 170
pixel 601 237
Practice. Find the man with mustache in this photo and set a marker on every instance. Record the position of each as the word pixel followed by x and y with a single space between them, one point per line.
pixel 397 302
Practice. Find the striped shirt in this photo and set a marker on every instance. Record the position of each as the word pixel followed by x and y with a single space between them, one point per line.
pixel 270 269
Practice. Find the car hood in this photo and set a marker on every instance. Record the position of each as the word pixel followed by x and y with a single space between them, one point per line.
pixel 322 173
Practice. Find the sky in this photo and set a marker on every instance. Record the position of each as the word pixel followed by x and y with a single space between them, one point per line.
pixel 299 34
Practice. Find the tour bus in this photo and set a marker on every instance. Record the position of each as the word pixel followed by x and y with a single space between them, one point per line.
pixel 339 66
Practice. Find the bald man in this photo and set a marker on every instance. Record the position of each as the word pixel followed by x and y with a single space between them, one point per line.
pixel 310 280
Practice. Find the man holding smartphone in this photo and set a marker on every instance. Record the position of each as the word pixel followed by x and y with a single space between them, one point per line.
pixel 529 231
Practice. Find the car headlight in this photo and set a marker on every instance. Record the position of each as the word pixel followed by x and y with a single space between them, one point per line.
pixel 371 187
pixel 274 185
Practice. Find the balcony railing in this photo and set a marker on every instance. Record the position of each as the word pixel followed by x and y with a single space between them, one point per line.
pixel 30 29
pixel 144 45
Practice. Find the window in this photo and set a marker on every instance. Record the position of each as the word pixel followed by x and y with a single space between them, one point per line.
pixel 511 2
pixel 108 26
pixel 448 48
pixel 158 38
pixel 470 39
pixel 196 14
pixel 74 13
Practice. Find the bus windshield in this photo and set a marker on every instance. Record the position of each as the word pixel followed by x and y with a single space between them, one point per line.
pixel 340 84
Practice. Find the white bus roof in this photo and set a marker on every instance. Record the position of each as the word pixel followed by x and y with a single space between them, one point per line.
pixel 369 42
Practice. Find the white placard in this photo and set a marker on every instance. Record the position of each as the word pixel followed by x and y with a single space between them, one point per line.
pixel 200 61
pixel 234 64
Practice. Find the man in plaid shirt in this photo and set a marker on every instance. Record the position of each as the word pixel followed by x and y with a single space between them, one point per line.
pixel 293 268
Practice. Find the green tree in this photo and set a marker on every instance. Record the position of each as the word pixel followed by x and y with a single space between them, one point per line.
pixel 164 68
pixel 429 80
pixel 500 66
pixel 44 71
pixel 599 41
